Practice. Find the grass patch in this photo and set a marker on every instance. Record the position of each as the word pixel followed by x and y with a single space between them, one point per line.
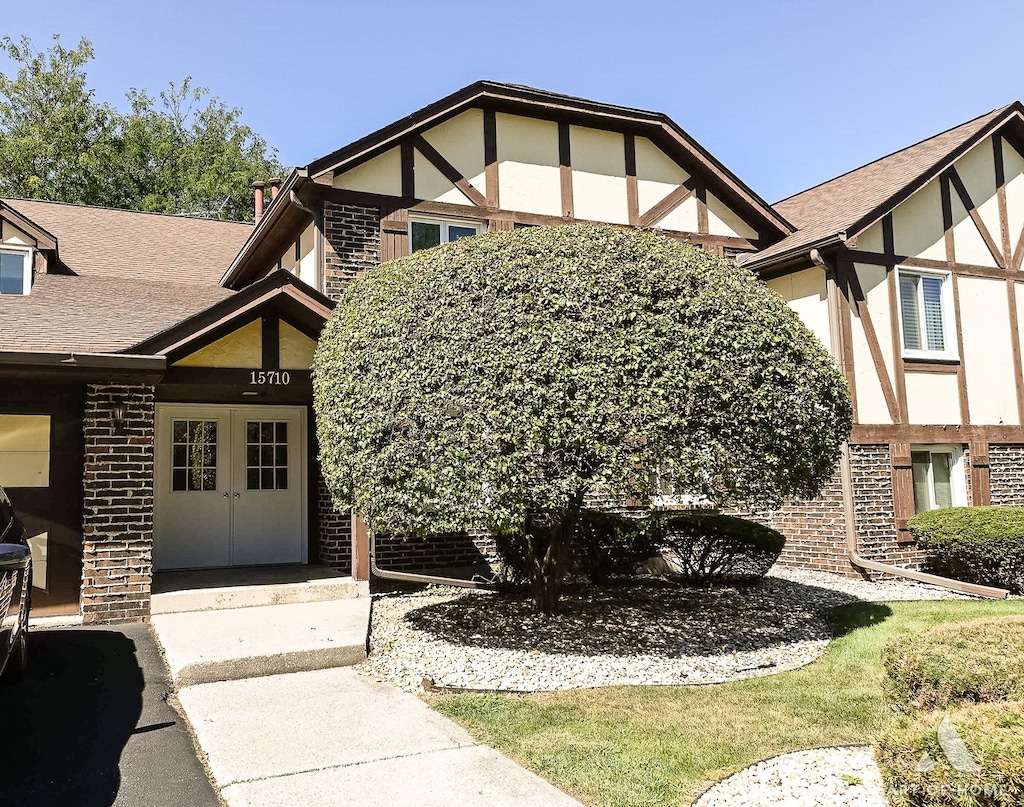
pixel 626 746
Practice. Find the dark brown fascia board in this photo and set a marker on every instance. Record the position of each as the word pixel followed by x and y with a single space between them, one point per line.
pixel 236 306
pixel 794 258
pixel 266 234
pixel 83 366
pixel 44 239
pixel 505 97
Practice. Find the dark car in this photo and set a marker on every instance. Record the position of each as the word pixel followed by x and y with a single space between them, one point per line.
pixel 15 590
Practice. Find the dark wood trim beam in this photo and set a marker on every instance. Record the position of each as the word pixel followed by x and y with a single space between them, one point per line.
pixel 964 269
pixel 491 156
pixel 450 172
pixel 947 219
pixel 961 373
pixel 981 493
pixel 937 367
pixel 899 368
pixel 1018 364
pixel 702 208
pixel 565 169
pixel 874 347
pixel 632 193
pixel 876 434
pixel 965 198
pixel 668 204
pixel 270 340
pixel 408 169
pixel 1004 222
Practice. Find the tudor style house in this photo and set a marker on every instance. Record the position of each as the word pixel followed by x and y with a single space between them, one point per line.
pixel 155 395
pixel 910 270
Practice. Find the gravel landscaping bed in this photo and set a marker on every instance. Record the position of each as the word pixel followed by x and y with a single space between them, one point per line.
pixel 838 777
pixel 642 632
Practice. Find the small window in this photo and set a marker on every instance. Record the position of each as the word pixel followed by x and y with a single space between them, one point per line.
pixel 15 271
pixel 434 232
pixel 194 455
pixel 938 477
pixel 266 455
pixel 926 315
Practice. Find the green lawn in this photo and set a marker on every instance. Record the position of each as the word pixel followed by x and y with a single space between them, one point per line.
pixel 663 745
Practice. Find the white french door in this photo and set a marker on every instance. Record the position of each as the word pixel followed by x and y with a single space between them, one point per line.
pixel 230 486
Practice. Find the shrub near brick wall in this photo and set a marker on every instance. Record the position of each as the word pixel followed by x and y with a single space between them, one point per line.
pixel 118 504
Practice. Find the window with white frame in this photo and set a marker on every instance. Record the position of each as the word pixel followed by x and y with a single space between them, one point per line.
pixel 926 314
pixel 15 271
pixel 938 477
pixel 426 233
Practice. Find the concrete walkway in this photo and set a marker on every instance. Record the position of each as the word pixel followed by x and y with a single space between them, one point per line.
pixel 283 720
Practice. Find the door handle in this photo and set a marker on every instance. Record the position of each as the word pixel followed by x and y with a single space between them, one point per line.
pixel 238 495
pixel 225 494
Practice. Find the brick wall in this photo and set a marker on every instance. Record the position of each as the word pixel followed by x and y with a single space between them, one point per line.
pixel 1006 474
pixel 436 551
pixel 335 530
pixel 118 504
pixel 351 244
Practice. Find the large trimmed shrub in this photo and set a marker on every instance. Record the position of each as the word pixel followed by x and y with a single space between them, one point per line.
pixel 705 547
pixel 973 662
pixel 993 735
pixel 975 544
pixel 499 380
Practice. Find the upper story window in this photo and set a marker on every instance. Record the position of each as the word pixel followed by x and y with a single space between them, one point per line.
pixel 926 314
pixel 15 271
pixel 938 477
pixel 427 233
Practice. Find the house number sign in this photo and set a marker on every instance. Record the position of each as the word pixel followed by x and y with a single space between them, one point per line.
pixel 273 378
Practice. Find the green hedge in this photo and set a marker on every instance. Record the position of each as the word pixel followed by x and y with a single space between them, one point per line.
pixel 993 735
pixel 975 544
pixel 707 547
pixel 979 661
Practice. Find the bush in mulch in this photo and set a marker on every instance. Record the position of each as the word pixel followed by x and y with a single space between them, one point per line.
pixel 976 544
pixel 971 757
pixel 975 662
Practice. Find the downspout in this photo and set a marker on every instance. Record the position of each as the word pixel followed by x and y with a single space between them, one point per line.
pixel 412 577
pixel 846 475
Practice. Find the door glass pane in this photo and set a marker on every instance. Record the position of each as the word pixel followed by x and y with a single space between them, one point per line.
pixel 424 235
pixel 194 455
pixel 266 455
pixel 920 461
pixel 942 477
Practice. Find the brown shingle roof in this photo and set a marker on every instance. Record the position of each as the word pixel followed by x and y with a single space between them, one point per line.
pixel 95 241
pixel 853 201
pixel 66 314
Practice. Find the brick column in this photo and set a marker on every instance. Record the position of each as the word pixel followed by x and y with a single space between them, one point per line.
pixel 118 503
pixel 335 530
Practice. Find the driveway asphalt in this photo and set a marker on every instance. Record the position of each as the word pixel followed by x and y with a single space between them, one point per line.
pixel 89 725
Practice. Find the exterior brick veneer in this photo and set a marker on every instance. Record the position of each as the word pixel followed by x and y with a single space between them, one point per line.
pixel 815 529
pixel 351 244
pixel 335 530
pixel 436 551
pixel 118 504
pixel 1006 474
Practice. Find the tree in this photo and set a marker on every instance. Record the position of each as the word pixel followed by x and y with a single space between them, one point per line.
pixel 56 142
pixel 185 152
pixel 498 381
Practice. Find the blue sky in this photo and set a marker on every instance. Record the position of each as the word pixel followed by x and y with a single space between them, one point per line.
pixel 786 93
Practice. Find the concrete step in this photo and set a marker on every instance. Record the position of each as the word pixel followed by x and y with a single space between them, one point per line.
pixel 235 643
pixel 186 596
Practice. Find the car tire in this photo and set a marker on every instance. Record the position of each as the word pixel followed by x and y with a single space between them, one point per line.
pixel 17 662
